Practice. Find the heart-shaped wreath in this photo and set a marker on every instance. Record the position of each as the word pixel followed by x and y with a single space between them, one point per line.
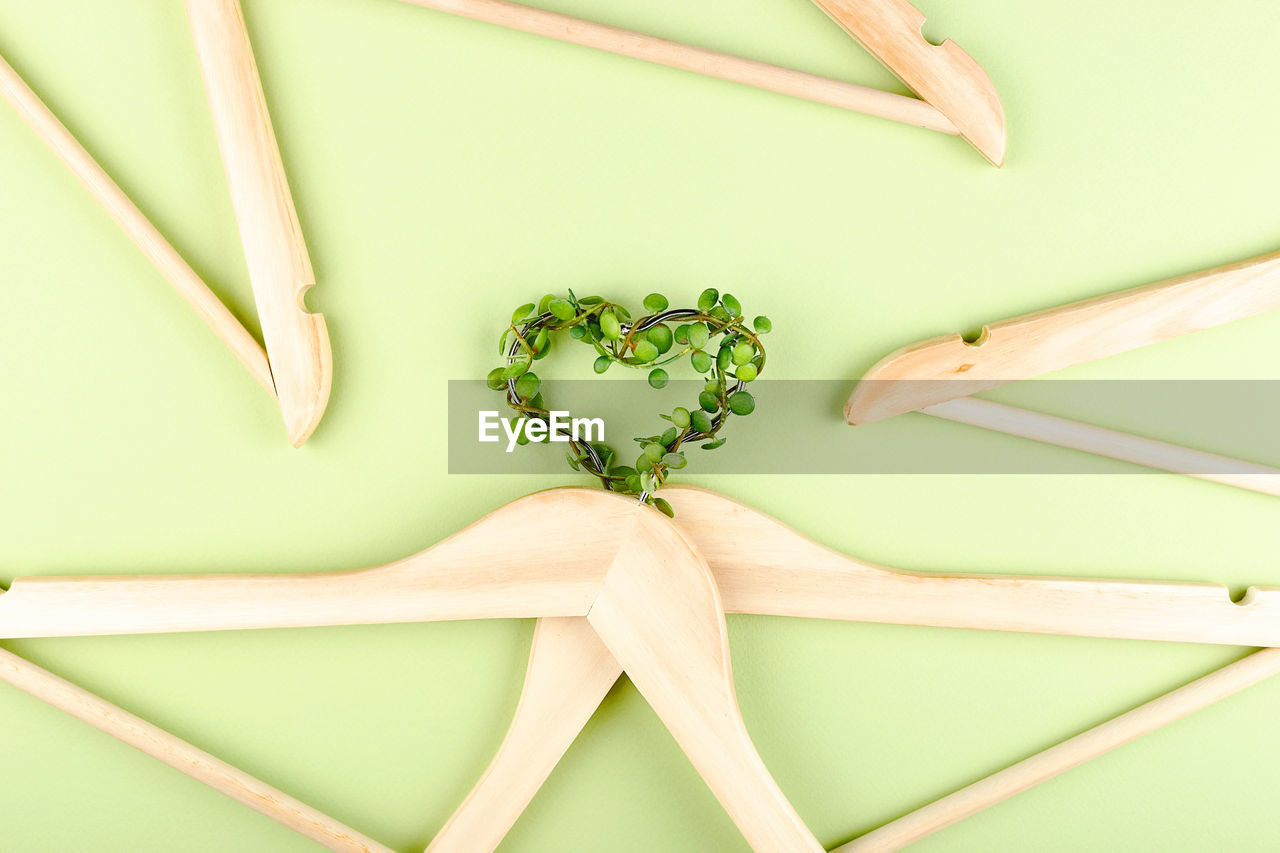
pixel 713 336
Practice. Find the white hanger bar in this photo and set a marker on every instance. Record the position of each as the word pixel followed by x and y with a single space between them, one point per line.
pixel 1111 443
pixel 183 757
pixel 958 96
pixel 279 266
pixel 1069 754
pixel 137 227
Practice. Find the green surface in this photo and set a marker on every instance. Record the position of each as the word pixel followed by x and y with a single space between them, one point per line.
pixel 446 171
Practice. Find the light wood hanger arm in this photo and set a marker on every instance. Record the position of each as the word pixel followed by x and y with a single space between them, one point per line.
pixel 699 60
pixel 570 672
pixel 786 574
pixel 487 571
pixel 943 75
pixel 660 616
pixel 135 225
pixel 509 564
pixel 944 368
pixel 183 757
pixel 279 267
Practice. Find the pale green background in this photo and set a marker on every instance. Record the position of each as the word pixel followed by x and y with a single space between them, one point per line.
pixel 446 170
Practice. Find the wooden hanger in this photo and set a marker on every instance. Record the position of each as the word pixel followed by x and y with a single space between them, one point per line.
pixel 279 267
pixel 299 369
pixel 937 375
pixel 633 577
pixel 958 97
pixel 636 595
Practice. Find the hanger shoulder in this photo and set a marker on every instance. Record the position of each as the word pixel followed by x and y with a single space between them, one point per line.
pixel 658 612
pixel 570 672
pixel 946 367
pixel 782 573
pixel 279 266
pixel 509 564
pixel 943 75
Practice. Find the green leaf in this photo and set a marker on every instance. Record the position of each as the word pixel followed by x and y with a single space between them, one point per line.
pixel 577 332
pixel 589 300
pixel 609 326
pixel 668 437
pixel 680 417
pixel 720 314
pixel 700 421
pixel 515 370
pixel 645 352
pixel 701 361
pixel 647 482
pixel 682 333
pixel 660 337
pixel 763 325
pixel 698 335
pixel 601 364
pixel 527 386
pixel 545 302
pixel 573 460
pixel 522 312
pixel 663 507
pixel 541 344
pixel 562 309
pixel 731 305
pixel 654 451
pixel 708 401
pixel 658 378
pixel 494 380
pixel 522 438
pixel 724 358
pixel 747 372
pixel 707 299
pixel 633 483
pixel 502 342
pixel 623 471
pixel 743 353
pixel 623 313
pixel 712 445
pixel 655 303
pixel 742 403
pixel 674 460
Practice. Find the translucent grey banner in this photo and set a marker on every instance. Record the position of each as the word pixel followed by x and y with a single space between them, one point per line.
pixel 799 427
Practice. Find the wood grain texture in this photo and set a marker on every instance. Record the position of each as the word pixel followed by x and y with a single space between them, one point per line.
pixel 135 225
pixel 1111 443
pixel 570 672
pixel 784 573
pixel 1069 754
pixel 509 564
pixel 699 60
pixel 182 756
pixel 943 75
pixel 279 267
pixel 944 368
pixel 660 615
